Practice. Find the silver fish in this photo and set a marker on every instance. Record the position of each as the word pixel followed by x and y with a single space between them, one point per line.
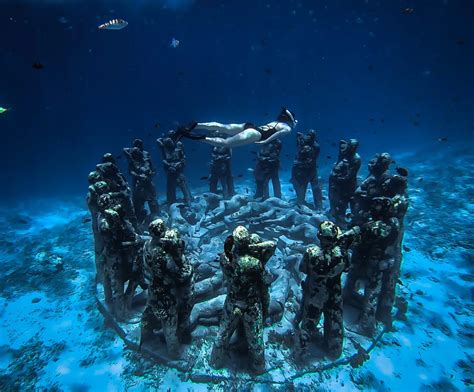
pixel 114 24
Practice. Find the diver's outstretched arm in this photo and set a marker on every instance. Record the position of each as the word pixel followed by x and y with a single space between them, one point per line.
pixel 243 138
pixel 228 129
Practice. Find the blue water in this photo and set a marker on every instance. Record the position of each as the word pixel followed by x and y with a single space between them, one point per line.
pixel 337 64
pixel 398 81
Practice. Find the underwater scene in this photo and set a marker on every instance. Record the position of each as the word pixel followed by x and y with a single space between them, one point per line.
pixel 239 195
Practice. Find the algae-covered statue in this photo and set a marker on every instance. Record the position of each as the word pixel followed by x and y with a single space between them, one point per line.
pixel 142 171
pixel 243 265
pixel 220 171
pixel 170 292
pixel 372 262
pixel 343 180
pixel 122 246
pixel 305 169
pixel 174 162
pixel 267 169
pixel 119 189
pixel 322 293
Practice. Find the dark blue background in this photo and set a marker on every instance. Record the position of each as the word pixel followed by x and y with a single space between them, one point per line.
pixel 347 68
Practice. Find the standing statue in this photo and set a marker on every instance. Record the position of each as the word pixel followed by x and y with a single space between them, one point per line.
pixel 371 187
pixel 343 180
pixel 174 162
pixel 142 171
pixel 243 265
pixel 305 170
pixel 371 261
pixel 119 189
pixel 267 169
pixel 122 261
pixel 220 166
pixel 171 290
pixel 322 293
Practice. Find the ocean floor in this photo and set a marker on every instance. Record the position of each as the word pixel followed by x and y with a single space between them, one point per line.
pixel 54 338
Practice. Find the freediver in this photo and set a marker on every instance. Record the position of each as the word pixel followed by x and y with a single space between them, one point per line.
pixel 242 134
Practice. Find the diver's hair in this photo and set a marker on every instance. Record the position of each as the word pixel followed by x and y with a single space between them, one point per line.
pixel 286 115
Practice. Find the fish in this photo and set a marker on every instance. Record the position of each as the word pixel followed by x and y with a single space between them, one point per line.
pixel 63 20
pixel 246 190
pixel 349 215
pixel 204 178
pixel 253 152
pixel 328 157
pixel 85 220
pixel 402 171
pixel 406 248
pixel 371 119
pixel 268 71
pixel 460 41
pixel 442 139
pixel 174 43
pixel 38 66
pixel 408 11
pixel 416 123
pixel 114 24
pixel 3 110
pixel 118 156
pixel 250 169
pixel 420 179
pixel 157 125
pixel 181 206
pixel 240 175
pixel 370 67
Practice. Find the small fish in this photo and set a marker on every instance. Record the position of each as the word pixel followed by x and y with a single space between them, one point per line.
pixel 374 132
pixel 181 206
pixel 118 156
pixel 417 114
pixel 266 114
pixel 157 125
pixel 250 169
pixel 416 123
pixel 328 157
pixel 38 66
pixel 442 139
pixel 349 215
pixel 402 171
pixel 420 179
pixel 268 71
pixel 370 67
pixel 460 41
pixel 3 110
pixel 287 155
pixel 292 190
pixel 240 175
pixel 371 119
pixel 114 24
pixel 382 120
pixel 63 20
pixel 253 152
pixel 408 11
pixel 204 178
pixel 246 190
pixel 85 220
pixel 174 43
pixel 406 248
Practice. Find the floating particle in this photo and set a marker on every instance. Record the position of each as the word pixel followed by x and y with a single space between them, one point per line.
pixel 174 43
pixel 442 139
pixel 408 11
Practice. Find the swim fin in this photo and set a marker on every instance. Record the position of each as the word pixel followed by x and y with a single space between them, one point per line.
pixel 185 131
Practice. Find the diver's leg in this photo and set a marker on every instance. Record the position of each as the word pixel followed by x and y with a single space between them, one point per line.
pixel 228 129
pixel 243 138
